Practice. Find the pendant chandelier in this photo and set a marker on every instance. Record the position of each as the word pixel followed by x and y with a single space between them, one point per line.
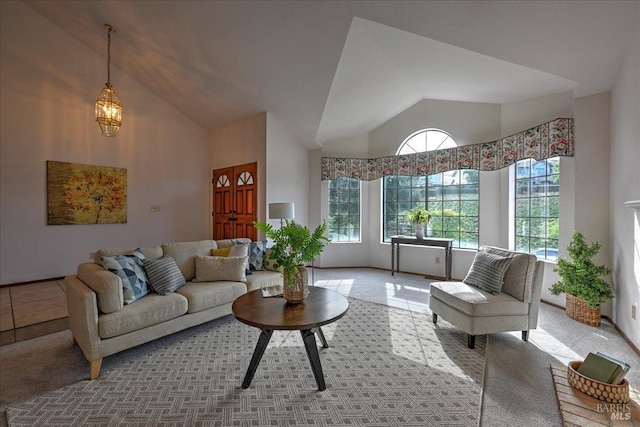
pixel 108 105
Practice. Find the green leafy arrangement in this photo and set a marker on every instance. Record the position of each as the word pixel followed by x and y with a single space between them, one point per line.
pixel 293 245
pixel 580 277
pixel 418 215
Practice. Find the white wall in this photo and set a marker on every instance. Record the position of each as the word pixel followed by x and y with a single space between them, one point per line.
pixel 472 123
pixel 49 83
pixel 239 143
pixel 347 254
pixel 468 123
pixel 592 175
pixel 523 115
pixel 287 170
pixel 625 186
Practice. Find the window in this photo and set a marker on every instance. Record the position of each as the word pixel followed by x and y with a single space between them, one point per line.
pixel 537 216
pixel 451 197
pixel 344 210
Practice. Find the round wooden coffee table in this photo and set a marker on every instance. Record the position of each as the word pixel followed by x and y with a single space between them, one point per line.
pixel 321 307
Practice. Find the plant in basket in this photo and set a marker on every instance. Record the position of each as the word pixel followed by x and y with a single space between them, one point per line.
pixel 582 281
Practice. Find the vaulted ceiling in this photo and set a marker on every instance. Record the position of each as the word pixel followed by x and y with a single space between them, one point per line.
pixel 334 69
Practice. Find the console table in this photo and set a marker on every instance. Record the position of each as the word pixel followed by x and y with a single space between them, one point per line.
pixel 396 241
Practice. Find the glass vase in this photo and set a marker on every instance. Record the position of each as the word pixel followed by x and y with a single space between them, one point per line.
pixel 295 292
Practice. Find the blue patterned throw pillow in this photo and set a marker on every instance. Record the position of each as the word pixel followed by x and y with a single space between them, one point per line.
pixel 129 268
pixel 256 255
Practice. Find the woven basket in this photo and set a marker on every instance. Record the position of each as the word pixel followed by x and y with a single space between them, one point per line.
pixel 578 309
pixel 602 391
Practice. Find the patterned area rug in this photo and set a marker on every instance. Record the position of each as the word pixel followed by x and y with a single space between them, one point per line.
pixel 384 367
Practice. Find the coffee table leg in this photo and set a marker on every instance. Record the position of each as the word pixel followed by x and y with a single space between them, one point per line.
pixel 265 336
pixel 309 339
pixel 323 340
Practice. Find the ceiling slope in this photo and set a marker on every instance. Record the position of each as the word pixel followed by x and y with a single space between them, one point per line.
pixel 331 69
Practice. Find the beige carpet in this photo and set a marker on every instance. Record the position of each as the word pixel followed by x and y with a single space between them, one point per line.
pixel 385 367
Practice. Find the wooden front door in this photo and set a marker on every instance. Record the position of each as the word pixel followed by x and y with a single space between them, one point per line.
pixel 235 196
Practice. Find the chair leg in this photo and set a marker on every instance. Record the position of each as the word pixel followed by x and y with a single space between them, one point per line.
pixel 471 341
pixel 525 335
pixel 434 317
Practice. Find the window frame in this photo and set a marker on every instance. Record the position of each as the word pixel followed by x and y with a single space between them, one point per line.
pixel 349 214
pixel 402 227
pixel 549 199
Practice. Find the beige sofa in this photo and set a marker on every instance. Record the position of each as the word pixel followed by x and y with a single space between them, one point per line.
pixel 478 312
pixel 103 325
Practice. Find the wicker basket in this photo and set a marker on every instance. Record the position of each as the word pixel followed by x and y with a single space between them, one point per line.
pixel 602 391
pixel 578 309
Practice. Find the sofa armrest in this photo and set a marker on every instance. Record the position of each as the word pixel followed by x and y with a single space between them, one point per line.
pixel 83 317
pixel 106 285
pixel 536 292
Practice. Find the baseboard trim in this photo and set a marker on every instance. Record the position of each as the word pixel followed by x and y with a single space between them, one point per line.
pixel 10 285
pixel 426 276
pixel 615 325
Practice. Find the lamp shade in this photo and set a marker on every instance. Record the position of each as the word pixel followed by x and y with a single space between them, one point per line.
pixel 281 211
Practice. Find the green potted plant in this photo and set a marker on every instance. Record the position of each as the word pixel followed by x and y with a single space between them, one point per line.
pixel 420 217
pixel 582 281
pixel 293 246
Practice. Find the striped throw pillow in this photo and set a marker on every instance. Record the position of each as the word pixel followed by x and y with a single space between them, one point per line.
pixel 164 275
pixel 487 272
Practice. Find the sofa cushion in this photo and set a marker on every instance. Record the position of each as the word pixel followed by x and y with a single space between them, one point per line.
pixel 235 250
pixel 206 295
pixel 476 302
pixel 515 279
pixel 151 252
pixel 183 253
pixel 240 250
pixel 148 311
pixel 106 285
pixel 164 275
pixel 129 268
pixel 218 268
pixel 487 271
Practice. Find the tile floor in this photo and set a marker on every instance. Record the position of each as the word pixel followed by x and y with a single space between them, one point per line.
pixel 32 310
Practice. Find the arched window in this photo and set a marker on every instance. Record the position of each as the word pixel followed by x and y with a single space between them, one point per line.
pixel 452 198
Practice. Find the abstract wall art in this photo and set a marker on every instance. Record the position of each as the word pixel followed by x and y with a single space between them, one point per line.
pixel 85 194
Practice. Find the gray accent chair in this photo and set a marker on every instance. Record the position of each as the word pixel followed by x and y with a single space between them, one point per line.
pixel 477 312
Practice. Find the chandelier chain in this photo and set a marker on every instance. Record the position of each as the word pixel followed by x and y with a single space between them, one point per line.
pixel 109 57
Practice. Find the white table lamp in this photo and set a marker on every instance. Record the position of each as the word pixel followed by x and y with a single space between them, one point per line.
pixel 281 211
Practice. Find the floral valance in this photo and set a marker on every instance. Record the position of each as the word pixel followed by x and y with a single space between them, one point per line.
pixel 551 139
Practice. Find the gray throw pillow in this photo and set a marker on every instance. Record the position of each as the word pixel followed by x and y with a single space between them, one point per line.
pixel 487 272
pixel 164 275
